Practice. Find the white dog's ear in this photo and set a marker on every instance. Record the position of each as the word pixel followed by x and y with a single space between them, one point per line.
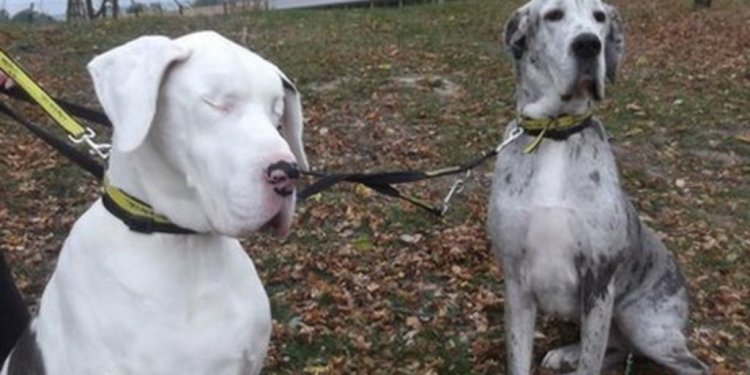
pixel 516 33
pixel 292 121
pixel 127 81
pixel 615 44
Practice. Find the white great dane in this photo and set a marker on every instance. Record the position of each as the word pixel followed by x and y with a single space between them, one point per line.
pixel 209 134
pixel 569 239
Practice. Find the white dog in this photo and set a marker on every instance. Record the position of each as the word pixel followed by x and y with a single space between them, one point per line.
pixel 209 134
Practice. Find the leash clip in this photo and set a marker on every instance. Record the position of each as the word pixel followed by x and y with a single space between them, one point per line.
pixel 457 188
pixel 460 183
pixel 515 133
pixel 100 149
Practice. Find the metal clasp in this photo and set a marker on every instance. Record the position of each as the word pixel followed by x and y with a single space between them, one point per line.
pixel 460 183
pixel 457 188
pixel 514 133
pixel 100 149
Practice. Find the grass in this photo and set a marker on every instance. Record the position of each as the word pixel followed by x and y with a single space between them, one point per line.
pixel 369 285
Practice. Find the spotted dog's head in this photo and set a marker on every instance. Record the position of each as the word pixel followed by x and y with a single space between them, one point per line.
pixel 562 51
pixel 206 131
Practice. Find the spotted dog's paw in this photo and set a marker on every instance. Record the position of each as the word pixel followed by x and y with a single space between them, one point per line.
pixel 562 359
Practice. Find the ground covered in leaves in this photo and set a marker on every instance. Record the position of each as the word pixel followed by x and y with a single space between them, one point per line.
pixel 368 285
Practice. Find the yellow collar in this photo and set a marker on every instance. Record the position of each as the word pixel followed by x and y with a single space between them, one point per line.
pixel 136 214
pixel 564 126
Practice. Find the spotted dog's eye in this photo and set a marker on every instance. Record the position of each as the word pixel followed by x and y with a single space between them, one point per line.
pixel 600 16
pixel 554 15
pixel 278 128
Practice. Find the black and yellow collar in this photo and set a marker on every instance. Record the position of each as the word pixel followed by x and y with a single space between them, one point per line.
pixel 559 128
pixel 136 214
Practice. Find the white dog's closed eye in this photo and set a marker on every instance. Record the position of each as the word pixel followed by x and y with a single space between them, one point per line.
pixel 223 108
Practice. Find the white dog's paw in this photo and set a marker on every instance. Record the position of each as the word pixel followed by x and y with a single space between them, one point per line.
pixel 562 359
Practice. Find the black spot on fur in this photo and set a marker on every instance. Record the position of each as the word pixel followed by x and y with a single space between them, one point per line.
pixel 647 266
pixel 594 279
pixel 527 182
pixel 26 359
pixel 594 176
pixel 671 282
pixel 508 178
pixel 634 267
pixel 515 39
pixel 598 129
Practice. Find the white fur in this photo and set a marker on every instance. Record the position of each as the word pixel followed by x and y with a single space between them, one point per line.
pixel 195 131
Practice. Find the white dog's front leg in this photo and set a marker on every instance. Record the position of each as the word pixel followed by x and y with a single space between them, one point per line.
pixel 596 316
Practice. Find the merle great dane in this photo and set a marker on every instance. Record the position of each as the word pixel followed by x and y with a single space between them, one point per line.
pixel 209 134
pixel 569 240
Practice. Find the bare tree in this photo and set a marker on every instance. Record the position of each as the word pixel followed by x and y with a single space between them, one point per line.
pixel 102 11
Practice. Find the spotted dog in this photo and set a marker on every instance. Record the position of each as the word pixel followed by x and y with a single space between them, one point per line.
pixel 569 240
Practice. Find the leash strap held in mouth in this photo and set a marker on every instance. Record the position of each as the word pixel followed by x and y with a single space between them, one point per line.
pixel 382 181
pixel 136 214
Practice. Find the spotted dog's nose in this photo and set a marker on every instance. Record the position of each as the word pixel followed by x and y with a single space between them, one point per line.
pixel 586 46
pixel 283 176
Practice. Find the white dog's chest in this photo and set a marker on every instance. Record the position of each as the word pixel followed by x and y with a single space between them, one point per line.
pixel 146 308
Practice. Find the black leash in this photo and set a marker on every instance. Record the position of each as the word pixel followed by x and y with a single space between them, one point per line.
pixel 76 110
pixel 75 155
pixel 380 182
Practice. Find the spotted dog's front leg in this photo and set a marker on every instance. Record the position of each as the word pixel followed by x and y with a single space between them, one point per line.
pixel 597 300
pixel 520 318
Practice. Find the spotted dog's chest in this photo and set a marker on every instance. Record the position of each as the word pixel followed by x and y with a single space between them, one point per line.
pixel 554 206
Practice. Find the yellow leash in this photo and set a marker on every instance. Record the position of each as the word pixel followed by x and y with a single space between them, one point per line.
pixel 71 126
pixel 76 132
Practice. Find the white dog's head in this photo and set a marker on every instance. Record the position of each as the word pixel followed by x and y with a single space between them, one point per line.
pixel 206 131
pixel 562 51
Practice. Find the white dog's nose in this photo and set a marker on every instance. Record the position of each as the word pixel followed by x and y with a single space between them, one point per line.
pixel 283 176
pixel 586 46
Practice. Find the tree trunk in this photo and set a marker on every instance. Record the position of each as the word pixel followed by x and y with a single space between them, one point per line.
pixel 90 12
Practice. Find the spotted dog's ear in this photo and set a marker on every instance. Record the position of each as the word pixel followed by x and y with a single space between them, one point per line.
pixel 516 33
pixel 292 121
pixel 615 44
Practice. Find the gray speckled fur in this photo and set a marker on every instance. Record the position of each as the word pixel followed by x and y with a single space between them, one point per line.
pixel 571 243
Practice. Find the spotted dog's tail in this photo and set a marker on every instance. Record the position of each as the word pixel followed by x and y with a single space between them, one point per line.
pixel 14 315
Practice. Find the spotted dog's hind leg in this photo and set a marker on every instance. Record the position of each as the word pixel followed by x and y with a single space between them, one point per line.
pixel 660 338
pixel 566 358
pixel 653 323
